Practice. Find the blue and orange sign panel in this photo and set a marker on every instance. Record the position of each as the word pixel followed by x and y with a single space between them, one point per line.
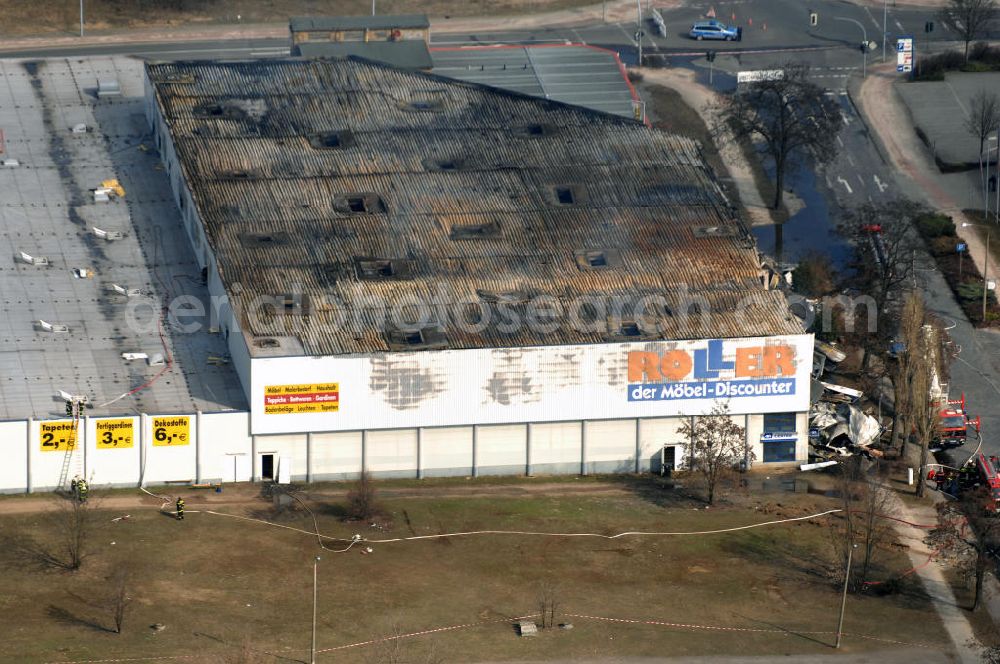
pixel 301 398
pixel 711 372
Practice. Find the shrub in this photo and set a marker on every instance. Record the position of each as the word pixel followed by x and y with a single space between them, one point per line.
pixel 814 276
pixel 935 225
pixel 942 246
pixel 970 291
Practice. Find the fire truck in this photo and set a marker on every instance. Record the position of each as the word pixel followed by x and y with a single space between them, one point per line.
pixel 989 474
pixel 953 424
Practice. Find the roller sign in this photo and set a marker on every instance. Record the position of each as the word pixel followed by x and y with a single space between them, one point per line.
pixel 728 370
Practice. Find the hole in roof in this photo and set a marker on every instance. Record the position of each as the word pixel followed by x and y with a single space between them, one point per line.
pixel 630 329
pixel 372 269
pixel 564 195
pixel 413 338
pixel 596 259
pixel 332 140
pixel 266 342
pixel 360 204
pixel 475 231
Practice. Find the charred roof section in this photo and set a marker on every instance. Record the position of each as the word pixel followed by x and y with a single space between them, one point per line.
pixel 453 194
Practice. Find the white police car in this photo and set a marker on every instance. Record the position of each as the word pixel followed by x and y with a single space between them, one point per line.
pixel 715 30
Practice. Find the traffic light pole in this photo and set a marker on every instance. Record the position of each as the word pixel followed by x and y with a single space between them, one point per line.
pixel 864 44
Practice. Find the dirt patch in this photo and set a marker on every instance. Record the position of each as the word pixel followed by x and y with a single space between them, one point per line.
pixel 212 580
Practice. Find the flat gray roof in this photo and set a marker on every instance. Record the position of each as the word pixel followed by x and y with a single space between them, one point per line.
pixel 378 22
pixel 580 75
pixel 47 210
pixel 411 54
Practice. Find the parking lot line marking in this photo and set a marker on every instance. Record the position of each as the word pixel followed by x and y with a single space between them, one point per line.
pixel 846 185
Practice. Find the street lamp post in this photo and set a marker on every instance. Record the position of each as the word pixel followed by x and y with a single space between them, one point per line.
pixel 843 599
pixel 885 20
pixel 986 264
pixel 312 658
pixel 81 18
pixel 864 47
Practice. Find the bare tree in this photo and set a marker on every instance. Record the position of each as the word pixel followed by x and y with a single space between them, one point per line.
pixel 968 524
pixel 876 502
pixel 884 246
pixel 911 322
pixel 718 446
pixel 119 600
pixel 246 653
pixel 925 410
pixel 865 499
pixel 983 119
pixel 396 648
pixel 789 116
pixel 72 525
pixel 548 602
pixel 970 18
pixel 362 499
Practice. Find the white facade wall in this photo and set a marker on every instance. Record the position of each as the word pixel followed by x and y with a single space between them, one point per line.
pixel 654 435
pixel 446 451
pixel 501 450
pixel 513 385
pixel 14 447
pixel 219 447
pixel 222 437
pixel 291 449
pixel 554 447
pixel 391 453
pixel 336 456
pixel 610 446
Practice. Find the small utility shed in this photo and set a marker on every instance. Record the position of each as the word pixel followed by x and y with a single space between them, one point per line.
pixel 386 28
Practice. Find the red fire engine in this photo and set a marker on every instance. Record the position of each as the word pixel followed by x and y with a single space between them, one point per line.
pixel 989 473
pixel 953 424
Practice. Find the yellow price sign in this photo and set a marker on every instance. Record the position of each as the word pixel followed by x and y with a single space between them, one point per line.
pixel 57 436
pixel 171 431
pixel 114 434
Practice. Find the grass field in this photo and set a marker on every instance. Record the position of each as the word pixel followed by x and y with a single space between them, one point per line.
pixel 215 582
pixel 18 17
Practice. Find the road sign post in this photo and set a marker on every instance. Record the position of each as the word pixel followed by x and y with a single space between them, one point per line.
pixel 960 248
pixel 904 54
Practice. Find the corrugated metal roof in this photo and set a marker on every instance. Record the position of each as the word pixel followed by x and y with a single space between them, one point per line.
pixel 461 187
pixel 410 54
pixel 379 22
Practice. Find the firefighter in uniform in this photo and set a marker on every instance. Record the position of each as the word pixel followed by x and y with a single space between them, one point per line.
pixel 180 509
pixel 81 490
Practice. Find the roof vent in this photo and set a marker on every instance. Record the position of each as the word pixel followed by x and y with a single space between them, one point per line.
pixel 539 130
pixel 28 259
pixel 597 259
pixel 43 326
pixel 378 269
pixel 362 203
pixel 716 231
pixel 265 239
pixel 332 140
pixel 444 164
pixel 429 337
pixel 424 105
pixel 475 231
